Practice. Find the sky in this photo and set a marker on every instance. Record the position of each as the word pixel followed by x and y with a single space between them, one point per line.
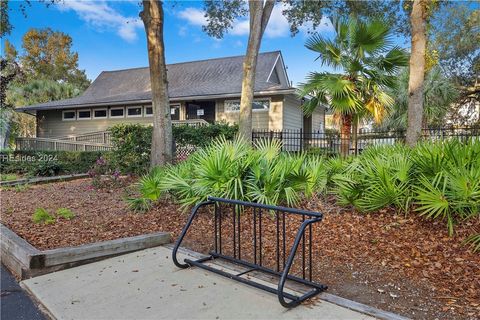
pixel 109 35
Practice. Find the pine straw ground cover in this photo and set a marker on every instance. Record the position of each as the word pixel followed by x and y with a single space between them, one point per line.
pixel 401 264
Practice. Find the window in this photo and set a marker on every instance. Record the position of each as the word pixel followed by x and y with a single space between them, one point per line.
pixel 99 113
pixel 134 112
pixel 257 105
pixel 85 114
pixel 148 111
pixel 175 111
pixel 68 115
pixel 116 112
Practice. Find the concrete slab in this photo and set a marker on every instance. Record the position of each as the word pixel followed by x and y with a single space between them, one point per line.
pixel 146 285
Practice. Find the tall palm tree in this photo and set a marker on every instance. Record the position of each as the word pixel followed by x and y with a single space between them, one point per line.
pixel 439 93
pixel 363 54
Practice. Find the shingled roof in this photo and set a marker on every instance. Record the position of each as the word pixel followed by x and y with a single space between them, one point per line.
pixel 187 80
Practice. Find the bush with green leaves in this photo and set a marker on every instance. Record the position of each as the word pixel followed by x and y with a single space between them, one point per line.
pixel 234 169
pixel 47 163
pixel 131 147
pixel 41 215
pixel 132 142
pixel 438 180
pixel 449 180
pixel 65 213
pixel 202 135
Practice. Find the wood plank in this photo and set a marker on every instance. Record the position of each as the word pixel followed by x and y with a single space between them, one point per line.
pixel 105 248
pixel 39 180
pixel 12 244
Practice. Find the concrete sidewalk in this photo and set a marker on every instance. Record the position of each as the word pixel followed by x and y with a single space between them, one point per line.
pixel 146 285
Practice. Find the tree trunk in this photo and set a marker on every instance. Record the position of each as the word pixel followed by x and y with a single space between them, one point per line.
pixel 345 134
pixel 259 16
pixel 417 73
pixel 152 16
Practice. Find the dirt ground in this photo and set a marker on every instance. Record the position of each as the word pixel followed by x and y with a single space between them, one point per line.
pixel 398 263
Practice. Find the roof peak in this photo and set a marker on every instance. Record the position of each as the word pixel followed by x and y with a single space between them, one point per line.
pixel 193 61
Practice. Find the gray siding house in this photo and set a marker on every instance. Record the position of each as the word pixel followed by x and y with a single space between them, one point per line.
pixel 206 89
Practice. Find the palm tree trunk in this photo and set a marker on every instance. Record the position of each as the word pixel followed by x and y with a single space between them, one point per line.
pixel 345 134
pixel 259 16
pixel 152 16
pixel 417 73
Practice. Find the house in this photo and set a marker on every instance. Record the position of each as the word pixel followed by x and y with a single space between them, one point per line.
pixel 206 89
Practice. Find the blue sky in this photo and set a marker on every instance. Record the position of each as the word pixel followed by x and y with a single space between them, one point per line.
pixel 108 35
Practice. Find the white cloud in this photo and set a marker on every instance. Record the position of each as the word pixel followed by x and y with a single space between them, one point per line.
pixel 194 16
pixel 182 31
pixel 238 44
pixel 240 28
pixel 102 16
pixel 277 27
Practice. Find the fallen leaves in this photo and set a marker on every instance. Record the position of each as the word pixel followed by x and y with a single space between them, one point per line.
pixel 362 257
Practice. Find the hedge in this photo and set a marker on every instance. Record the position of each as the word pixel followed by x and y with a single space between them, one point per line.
pixel 132 142
pixel 48 163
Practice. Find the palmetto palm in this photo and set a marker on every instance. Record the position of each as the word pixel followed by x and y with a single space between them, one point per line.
pixel 367 62
pixel 438 95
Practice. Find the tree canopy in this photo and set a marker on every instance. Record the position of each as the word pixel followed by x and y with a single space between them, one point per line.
pixel 48 54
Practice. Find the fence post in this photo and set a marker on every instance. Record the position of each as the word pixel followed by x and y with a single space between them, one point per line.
pixel 55 145
pixel 104 138
pixel 301 139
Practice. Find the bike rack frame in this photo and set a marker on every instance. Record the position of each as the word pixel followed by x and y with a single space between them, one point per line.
pixel 308 218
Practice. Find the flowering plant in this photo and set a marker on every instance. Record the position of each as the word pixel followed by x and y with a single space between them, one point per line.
pixel 102 174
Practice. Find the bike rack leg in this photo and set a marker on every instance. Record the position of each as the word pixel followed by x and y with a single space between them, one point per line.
pixel 184 232
pixel 291 257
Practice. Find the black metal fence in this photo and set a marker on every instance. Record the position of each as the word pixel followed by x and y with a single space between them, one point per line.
pixel 332 142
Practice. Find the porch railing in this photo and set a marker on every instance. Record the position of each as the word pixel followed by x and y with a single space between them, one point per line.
pixel 47 144
pixel 101 137
pixel 190 122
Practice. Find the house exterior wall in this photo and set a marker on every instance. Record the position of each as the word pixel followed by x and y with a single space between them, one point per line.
pixel 50 124
pixel 284 113
pixel 261 120
pixel 292 113
pixel 318 119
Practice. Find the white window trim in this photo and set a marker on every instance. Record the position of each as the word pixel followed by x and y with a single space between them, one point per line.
pixel 63 115
pixel 145 111
pixel 253 110
pixel 80 110
pixel 116 117
pixel 102 109
pixel 136 115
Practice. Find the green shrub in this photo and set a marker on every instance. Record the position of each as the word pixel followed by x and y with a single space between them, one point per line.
pixel 131 147
pixel 441 180
pixel 41 215
pixel 47 163
pixel 236 170
pixel 202 135
pixel 65 213
pixel 438 180
pixel 132 142
pixel 474 242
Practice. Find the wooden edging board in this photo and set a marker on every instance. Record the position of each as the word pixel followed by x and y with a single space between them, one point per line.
pixel 26 261
pixel 38 180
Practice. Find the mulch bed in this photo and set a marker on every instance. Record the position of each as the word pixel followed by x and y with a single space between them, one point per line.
pixel 399 263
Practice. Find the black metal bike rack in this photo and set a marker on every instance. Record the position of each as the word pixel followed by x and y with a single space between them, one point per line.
pixel 278 214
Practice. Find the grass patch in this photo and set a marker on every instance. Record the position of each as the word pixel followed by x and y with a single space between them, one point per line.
pixel 41 215
pixel 65 213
